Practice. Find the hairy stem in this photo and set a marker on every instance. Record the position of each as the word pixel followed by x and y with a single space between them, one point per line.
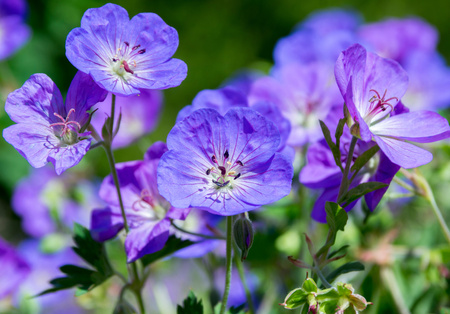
pixel 322 277
pixel 228 267
pixel 345 183
pixel 107 145
pixel 430 197
pixel 248 295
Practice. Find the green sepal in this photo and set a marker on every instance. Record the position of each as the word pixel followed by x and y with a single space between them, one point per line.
pixel 295 298
pixel 309 285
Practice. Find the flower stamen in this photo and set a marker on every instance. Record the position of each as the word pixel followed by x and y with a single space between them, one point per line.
pixel 65 122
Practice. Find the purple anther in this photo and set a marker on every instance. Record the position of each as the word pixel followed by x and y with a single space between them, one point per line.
pixel 222 169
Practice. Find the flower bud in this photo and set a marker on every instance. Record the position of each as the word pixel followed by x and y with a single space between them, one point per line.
pixel 243 235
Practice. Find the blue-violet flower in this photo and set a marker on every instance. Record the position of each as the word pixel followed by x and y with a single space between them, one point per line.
pixel 148 214
pixel 224 164
pixel 122 55
pixel 48 130
pixel 371 87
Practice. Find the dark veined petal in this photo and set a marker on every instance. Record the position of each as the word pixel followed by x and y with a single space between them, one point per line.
pixel 82 95
pixel 35 102
pixel 33 141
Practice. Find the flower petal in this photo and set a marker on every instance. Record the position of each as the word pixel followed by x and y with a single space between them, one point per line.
pixel 417 126
pixel 402 153
pixel 146 239
pixel 385 173
pixel 82 95
pixel 33 141
pixel 68 156
pixel 105 224
pixel 35 102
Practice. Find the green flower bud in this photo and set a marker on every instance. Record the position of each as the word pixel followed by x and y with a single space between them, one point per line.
pixel 243 235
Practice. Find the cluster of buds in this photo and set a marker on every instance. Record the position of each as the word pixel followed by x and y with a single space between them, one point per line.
pixel 340 299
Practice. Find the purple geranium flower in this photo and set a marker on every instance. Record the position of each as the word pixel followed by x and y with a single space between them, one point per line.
pixel 148 214
pixel 372 86
pixel 429 78
pixel 397 38
pixel 140 115
pixel 13 31
pixel 304 93
pixel 320 38
pixel 125 56
pixel 223 99
pixel 224 164
pixel 13 271
pixel 48 130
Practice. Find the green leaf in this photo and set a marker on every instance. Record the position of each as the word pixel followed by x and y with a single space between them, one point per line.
pixel 90 250
pixel 238 309
pixel 360 191
pixel 336 220
pixel 295 298
pixel 172 245
pixel 191 305
pixel 83 278
pixel 334 149
pixel 338 134
pixel 342 248
pixel 363 159
pixel 344 269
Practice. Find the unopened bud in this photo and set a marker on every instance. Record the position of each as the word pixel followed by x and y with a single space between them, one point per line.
pixel 243 235
pixel 106 134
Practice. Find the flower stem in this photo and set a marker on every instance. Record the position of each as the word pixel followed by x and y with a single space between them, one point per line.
pixel 137 288
pixel 228 267
pixel 248 295
pixel 322 277
pixel 196 234
pixel 389 281
pixel 112 165
pixel 107 145
pixel 345 183
pixel 430 198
